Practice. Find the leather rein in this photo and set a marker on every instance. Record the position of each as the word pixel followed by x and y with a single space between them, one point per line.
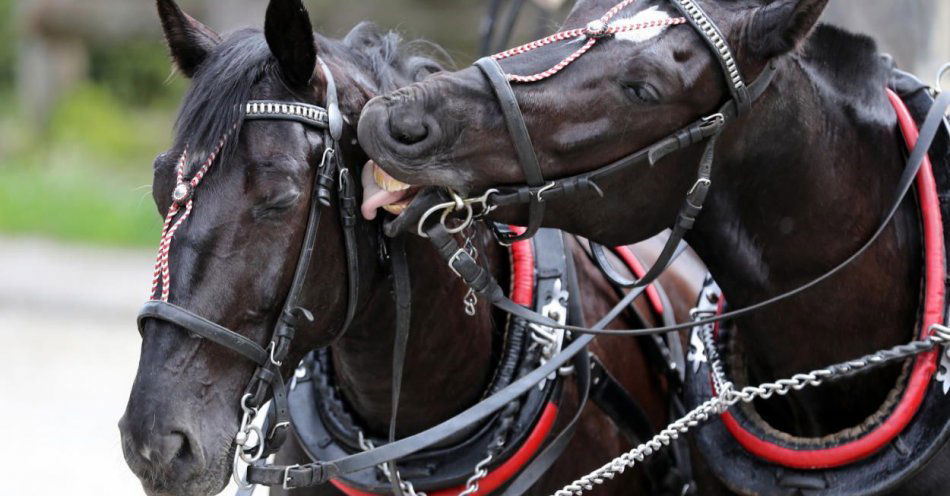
pixel 268 376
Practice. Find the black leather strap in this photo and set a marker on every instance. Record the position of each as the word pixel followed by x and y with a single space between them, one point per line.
pixel 521 140
pixel 349 216
pixel 530 474
pixel 203 327
pixel 718 45
pixel 402 293
pixel 693 134
pixel 483 282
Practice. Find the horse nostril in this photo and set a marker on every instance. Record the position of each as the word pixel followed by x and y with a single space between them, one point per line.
pixel 407 127
pixel 173 447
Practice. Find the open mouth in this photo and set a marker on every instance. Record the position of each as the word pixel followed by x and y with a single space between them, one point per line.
pixel 380 190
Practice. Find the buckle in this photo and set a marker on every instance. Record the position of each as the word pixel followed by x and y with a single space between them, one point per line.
pixel 716 121
pixel 286 485
pixel 547 187
pixel 458 256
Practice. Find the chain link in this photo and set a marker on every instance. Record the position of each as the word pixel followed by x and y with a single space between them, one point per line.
pixel 729 396
pixel 481 471
pixel 406 486
pixel 470 301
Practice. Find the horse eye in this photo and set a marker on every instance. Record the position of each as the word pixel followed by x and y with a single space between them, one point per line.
pixel 642 92
pixel 277 204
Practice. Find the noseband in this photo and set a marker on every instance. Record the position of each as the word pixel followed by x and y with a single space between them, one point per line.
pixel 267 380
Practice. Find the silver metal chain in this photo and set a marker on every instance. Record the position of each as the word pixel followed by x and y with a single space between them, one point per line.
pixel 729 396
pixel 481 471
pixel 470 301
pixel 406 486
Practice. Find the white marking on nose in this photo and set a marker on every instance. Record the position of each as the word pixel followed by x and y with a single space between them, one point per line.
pixel 640 35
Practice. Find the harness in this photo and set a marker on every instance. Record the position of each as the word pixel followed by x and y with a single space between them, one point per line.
pixel 500 445
pixel 502 423
pixel 897 441
pixel 267 381
pixel 485 285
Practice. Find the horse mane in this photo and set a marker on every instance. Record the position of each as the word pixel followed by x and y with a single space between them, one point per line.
pixel 220 87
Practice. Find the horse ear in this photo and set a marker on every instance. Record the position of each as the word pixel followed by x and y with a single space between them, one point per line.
pixel 190 41
pixel 781 26
pixel 290 38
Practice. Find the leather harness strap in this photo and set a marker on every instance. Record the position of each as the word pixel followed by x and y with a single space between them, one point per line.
pixel 521 139
pixel 402 293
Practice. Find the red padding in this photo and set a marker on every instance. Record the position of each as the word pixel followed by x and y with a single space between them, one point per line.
pixel 925 364
pixel 633 263
pixel 498 477
pixel 522 270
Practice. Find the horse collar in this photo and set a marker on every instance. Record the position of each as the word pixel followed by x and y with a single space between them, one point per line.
pixel 327 431
pixel 896 441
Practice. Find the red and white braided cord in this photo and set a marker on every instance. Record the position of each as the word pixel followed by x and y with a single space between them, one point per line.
pixel 170 226
pixel 579 33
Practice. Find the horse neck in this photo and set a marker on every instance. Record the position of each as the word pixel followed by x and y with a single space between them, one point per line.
pixel 449 357
pixel 802 183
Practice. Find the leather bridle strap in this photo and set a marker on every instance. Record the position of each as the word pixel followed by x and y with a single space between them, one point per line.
pixel 521 140
pixel 268 378
pixel 482 282
pixel 203 327
pixel 402 293
pixel 692 207
pixel 711 35
pixel 694 133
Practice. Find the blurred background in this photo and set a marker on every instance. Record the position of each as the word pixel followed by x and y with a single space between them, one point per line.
pixel 87 99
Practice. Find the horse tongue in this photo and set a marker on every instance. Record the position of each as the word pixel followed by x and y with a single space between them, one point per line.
pixel 375 197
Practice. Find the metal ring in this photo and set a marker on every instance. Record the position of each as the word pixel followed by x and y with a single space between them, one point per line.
pixel 470 215
pixel 259 448
pixel 940 74
pixel 425 217
pixel 236 474
pixel 459 201
pixel 248 409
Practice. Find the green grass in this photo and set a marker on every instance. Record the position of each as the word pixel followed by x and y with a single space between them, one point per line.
pixel 87 178
pixel 73 206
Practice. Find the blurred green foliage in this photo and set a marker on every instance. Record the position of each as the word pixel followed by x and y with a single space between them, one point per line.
pixel 7 45
pixel 86 176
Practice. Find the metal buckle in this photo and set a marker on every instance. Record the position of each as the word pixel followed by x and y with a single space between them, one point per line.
pixel 718 119
pixel 456 257
pixel 547 187
pixel 273 349
pixel 287 470
pixel 699 181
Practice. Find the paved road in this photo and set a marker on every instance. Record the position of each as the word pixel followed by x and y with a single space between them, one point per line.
pixel 70 351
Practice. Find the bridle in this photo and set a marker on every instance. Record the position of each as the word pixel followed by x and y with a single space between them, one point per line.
pixel 267 381
pixel 268 377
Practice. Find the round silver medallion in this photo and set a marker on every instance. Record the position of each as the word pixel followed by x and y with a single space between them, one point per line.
pixel 181 193
pixel 597 29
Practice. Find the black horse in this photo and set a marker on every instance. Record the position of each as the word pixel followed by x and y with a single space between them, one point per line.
pixel 233 261
pixel 800 183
